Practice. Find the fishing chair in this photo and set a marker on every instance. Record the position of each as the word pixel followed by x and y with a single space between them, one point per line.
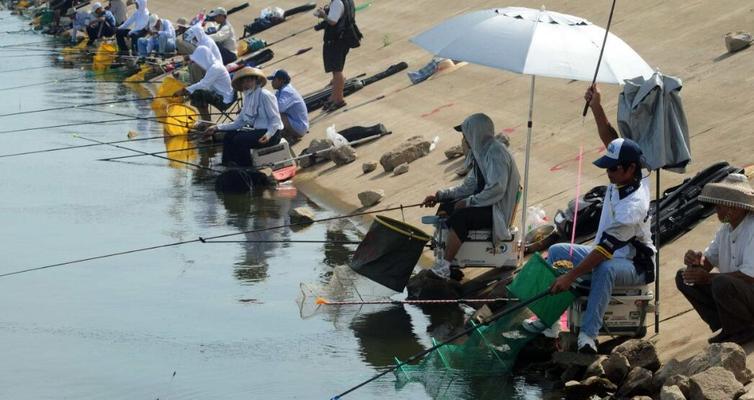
pixel 235 108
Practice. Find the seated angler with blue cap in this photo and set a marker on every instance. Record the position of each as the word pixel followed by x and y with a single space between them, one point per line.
pixel 292 107
pixel 623 253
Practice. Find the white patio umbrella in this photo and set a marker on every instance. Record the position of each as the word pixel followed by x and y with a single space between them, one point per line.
pixel 536 43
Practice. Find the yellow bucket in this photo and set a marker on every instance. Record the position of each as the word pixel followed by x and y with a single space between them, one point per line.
pixel 180 119
pixel 104 57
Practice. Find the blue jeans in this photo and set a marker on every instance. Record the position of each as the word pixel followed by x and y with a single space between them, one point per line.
pixel 162 44
pixel 605 276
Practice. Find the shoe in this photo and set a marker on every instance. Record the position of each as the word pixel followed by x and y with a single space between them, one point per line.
pixel 586 344
pixel 534 325
pixel 441 269
pixel 335 106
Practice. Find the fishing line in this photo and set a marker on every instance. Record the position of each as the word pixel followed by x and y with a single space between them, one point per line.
pixel 162 246
pixel 84 105
pixel 209 146
pixel 82 146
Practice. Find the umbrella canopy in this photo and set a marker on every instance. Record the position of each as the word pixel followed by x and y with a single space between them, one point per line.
pixel 534 42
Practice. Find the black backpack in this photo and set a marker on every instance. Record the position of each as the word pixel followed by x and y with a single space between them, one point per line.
pixel 590 209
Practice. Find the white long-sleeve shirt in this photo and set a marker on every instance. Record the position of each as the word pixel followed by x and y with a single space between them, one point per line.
pixel 139 19
pixel 216 77
pixel 226 37
pixel 260 111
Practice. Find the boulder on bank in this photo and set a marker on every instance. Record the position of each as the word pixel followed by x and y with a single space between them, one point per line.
pixel 637 382
pixel 616 367
pixel 371 197
pixel 671 393
pixel 368 167
pixel 301 215
pixel 316 146
pixel 592 386
pixel 726 355
pixel 454 152
pixel 413 148
pixel 639 353
pixel 343 155
pixel 400 170
pixel 716 383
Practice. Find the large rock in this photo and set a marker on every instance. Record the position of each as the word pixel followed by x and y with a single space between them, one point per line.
pixel 716 383
pixel 639 353
pixel 412 149
pixel 401 169
pixel 616 368
pixel 726 355
pixel 637 382
pixel 588 387
pixel 319 148
pixel 371 197
pixel 454 152
pixel 301 215
pixel 671 393
pixel 368 167
pixel 670 368
pixel 343 155
pixel 682 381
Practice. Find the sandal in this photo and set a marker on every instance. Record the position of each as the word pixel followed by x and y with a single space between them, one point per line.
pixel 335 106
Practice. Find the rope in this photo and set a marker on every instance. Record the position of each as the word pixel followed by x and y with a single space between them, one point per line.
pixel 25 270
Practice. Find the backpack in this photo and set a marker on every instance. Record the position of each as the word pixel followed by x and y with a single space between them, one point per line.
pixel 351 35
pixel 589 212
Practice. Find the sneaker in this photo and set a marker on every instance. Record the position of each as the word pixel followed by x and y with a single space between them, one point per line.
pixel 586 344
pixel 441 268
pixel 534 325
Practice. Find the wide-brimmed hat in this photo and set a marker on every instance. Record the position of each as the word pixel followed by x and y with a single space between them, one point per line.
pixel 733 191
pixel 249 71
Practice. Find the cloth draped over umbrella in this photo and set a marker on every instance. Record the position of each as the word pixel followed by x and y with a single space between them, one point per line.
pixel 537 43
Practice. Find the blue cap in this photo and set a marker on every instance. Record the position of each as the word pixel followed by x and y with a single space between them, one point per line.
pixel 280 74
pixel 620 152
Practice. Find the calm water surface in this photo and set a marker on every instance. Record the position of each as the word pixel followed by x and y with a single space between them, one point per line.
pixel 198 321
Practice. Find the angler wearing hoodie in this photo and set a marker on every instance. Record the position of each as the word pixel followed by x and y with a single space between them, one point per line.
pixel 488 196
pixel 138 23
pixel 257 125
pixel 192 38
pixel 214 89
pixel 161 37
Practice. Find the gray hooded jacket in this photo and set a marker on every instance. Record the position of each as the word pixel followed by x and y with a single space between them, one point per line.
pixel 500 174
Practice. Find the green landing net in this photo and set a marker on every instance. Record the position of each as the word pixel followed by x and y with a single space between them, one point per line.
pixel 491 350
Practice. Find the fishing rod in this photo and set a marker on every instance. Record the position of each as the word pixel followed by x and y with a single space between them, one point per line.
pixel 209 146
pixel 82 146
pixel 203 240
pixel 153 155
pixel 298 53
pixel 72 81
pixel 463 333
pixel 602 51
pixel 84 105
pixel 162 246
pixel 26 69
pixel 324 302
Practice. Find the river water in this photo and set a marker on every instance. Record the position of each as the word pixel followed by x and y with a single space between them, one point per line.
pixel 196 321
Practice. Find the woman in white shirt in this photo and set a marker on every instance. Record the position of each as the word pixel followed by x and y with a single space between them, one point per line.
pixel 257 125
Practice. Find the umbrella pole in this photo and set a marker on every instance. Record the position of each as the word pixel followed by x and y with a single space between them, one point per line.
pixel 529 126
pixel 657 253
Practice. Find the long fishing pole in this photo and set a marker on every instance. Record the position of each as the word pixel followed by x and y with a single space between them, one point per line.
pixel 25 153
pixel 324 302
pixel 209 146
pixel 153 155
pixel 602 51
pixel 203 240
pixel 465 332
pixel 84 105
pixel 298 53
pixel 162 246
pixel 71 81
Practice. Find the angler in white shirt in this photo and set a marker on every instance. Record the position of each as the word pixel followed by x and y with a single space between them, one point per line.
pixel 214 89
pixel 134 27
pixel 225 36
pixel 257 125
pixel 161 37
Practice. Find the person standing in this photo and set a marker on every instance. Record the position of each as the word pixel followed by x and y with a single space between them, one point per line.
pixel 292 107
pixel 725 299
pixel 102 24
pixel 225 37
pixel 139 20
pixel 341 35
pixel 257 125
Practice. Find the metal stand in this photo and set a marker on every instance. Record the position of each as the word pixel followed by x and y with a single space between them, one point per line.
pixel 657 253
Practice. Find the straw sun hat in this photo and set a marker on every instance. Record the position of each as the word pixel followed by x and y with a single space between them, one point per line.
pixel 246 72
pixel 733 191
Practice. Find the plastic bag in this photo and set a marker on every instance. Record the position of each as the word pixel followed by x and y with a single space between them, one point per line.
pixel 336 138
pixel 272 12
pixel 535 217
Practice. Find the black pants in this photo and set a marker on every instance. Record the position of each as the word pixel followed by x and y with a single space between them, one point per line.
pixel 237 145
pixel 466 219
pixel 227 55
pixel 102 29
pixel 727 302
pixel 120 37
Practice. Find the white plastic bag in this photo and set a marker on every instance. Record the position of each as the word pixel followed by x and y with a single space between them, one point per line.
pixel 433 145
pixel 336 138
pixel 535 217
pixel 271 12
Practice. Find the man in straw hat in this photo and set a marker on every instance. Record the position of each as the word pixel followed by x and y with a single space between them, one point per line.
pixel 725 299
pixel 257 125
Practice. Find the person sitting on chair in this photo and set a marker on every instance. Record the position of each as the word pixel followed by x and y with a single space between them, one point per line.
pixel 725 299
pixel 214 89
pixel 487 197
pixel 623 250
pixel 161 38
pixel 138 21
pixel 292 107
pixel 225 36
pixel 257 125
pixel 102 24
